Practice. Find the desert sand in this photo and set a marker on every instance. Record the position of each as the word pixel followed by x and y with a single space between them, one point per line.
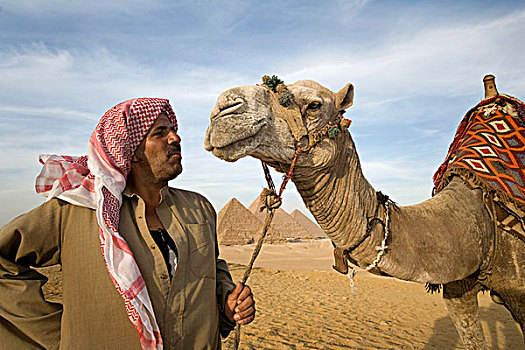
pixel 303 304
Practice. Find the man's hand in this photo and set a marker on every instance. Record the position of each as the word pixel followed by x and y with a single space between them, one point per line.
pixel 240 306
pixel 268 199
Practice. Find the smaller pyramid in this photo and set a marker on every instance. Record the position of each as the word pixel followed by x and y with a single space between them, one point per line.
pixel 236 225
pixel 310 226
pixel 282 222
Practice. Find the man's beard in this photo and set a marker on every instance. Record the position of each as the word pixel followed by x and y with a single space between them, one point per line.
pixel 174 149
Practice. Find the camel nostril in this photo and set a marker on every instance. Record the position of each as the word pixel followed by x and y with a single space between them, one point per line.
pixel 229 107
pixel 230 100
pixel 231 104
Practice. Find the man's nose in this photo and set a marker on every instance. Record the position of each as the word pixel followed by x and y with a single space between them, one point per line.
pixel 173 137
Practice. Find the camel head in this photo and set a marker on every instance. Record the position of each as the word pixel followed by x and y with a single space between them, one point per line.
pixel 271 121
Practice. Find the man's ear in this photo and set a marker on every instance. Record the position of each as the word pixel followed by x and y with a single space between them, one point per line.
pixel 344 98
pixel 138 155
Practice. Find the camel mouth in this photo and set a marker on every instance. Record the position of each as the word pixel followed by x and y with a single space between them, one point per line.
pixel 237 148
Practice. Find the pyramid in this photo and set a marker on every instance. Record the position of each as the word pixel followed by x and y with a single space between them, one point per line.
pixel 282 222
pixel 310 226
pixel 237 225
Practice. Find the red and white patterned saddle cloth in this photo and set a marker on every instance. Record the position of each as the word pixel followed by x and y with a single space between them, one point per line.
pixel 488 152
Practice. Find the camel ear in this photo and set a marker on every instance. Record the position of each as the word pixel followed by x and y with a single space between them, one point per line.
pixel 345 97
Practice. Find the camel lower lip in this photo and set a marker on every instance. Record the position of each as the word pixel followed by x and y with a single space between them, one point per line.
pixel 222 148
pixel 225 152
pixel 225 155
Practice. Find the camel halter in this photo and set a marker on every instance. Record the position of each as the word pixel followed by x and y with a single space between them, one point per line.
pixel 294 119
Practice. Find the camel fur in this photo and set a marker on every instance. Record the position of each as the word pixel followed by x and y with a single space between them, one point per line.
pixel 449 239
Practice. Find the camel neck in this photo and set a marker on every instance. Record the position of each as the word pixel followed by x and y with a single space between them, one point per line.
pixel 340 198
pixel 343 201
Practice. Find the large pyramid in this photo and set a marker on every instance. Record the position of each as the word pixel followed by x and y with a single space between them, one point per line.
pixel 312 228
pixel 282 222
pixel 238 225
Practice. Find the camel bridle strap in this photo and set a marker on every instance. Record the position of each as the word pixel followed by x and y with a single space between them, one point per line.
pixel 342 257
pixel 386 202
pixel 382 200
pixel 383 247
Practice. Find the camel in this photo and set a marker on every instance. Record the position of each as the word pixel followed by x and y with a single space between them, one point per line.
pixel 449 239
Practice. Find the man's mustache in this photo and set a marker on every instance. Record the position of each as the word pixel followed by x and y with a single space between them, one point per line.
pixel 173 149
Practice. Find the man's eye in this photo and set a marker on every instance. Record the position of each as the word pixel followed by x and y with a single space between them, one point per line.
pixel 314 106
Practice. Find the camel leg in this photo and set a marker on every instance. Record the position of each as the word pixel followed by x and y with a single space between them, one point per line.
pixel 461 300
pixel 508 279
pixel 517 309
pixel 513 298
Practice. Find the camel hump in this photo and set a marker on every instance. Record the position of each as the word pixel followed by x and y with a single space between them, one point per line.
pixel 490 86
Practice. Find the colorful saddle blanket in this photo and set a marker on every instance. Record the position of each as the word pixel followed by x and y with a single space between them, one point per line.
pixel 488 152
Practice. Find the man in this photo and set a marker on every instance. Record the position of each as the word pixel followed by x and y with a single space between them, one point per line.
pixel 139 260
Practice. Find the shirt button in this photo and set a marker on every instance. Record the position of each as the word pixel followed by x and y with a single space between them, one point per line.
pixel 153 246
pixel 164 276
pixel 140 216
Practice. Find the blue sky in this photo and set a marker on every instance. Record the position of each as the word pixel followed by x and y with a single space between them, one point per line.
pixel 417 67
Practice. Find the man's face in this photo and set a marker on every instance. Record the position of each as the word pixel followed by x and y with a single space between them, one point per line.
pixel 159 154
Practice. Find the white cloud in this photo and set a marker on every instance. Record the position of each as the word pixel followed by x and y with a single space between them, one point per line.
pixel 52 8
pixel 406 181
pixel 446 59
pixel 56 112
pixel 94 79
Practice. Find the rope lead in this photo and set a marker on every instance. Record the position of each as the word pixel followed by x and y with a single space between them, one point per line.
pixel 267 223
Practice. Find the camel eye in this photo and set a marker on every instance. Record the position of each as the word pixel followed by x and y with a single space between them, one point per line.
pixel 313 106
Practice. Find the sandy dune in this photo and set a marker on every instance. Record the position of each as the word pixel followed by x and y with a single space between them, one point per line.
pixel 303 304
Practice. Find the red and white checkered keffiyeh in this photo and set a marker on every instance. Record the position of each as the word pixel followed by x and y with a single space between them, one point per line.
pixel 97 181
